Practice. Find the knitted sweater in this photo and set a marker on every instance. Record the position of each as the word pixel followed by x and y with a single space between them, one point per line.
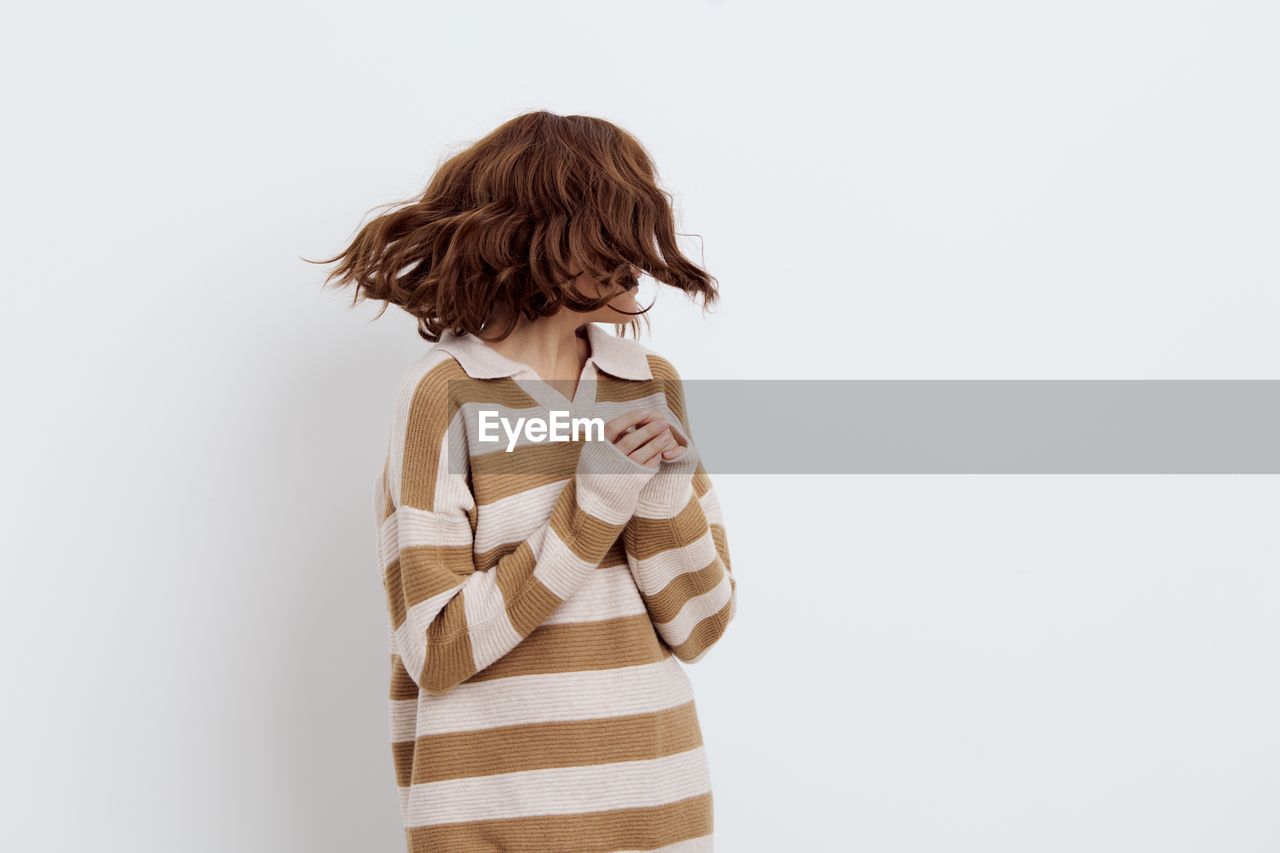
pixel 539 600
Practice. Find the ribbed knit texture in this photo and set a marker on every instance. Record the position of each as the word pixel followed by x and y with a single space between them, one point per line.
pixel 539 604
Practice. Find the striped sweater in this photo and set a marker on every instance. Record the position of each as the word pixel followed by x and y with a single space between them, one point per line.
pixel 539 600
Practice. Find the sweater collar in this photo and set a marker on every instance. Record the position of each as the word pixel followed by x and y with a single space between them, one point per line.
pixel 616 356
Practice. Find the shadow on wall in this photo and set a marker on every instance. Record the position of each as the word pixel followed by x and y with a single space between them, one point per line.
pixel 306 710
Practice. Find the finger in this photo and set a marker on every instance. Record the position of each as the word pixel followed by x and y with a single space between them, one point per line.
pixel 671 454
pixel 651 451
pixel 640 435
pixel 622 423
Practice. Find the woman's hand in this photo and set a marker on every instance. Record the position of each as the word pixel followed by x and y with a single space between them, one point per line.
pixel 677 451
pixel 645 437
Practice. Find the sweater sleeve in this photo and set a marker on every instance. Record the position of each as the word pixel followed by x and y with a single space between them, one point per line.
pixel 676 545
pixel 450 618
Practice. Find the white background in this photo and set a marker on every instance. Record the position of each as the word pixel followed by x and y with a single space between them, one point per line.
pixel 193 629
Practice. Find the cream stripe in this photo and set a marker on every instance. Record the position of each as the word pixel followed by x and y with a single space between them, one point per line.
pixel 388 541
pixel 556 696
pixel 694 611
pixel 612 474
pixel 404 720
pixel 410 526
pixel 560 790
pixel 605 594
pixel 558 567
pixel 711 508
pixel 489 626
pixel 514 519
pixel 379 502
pixel 654 573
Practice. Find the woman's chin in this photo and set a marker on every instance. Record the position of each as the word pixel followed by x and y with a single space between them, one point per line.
pixel 621 310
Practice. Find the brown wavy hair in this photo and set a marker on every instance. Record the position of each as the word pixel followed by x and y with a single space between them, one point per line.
pixel 510 221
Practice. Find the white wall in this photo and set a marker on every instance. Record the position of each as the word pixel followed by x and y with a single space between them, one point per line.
pixel 193 630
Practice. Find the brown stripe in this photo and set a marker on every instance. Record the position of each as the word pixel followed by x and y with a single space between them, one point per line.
pixel 504 391
pixel 647 537
pixel 579 647
pixel 691 522
pixel 500 475
pixel 616 829
pixel 704 634
pixel 571 743
pixel 428 570
pixel 666 378
pixel 529 608
pixel 402 686
pixel 488 559
pixel 395 594
pixel 402 758
pixel 489 489
pixel 449 659
pixel 701 481
pixel 430 411
pixel 722 545
pixel 561 456
pixel 512 574
pixel 665 605
pixel 615 556
pixel 587 536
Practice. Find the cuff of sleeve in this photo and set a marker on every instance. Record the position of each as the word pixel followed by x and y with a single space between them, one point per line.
pixel 671 488
pixel 609 482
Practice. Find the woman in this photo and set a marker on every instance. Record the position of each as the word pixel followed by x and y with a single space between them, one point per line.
pixel 541 593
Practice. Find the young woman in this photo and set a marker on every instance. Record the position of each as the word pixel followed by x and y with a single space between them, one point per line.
pixel 541 594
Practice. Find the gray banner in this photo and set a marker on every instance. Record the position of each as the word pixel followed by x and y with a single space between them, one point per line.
pixel 982 426
pixel 987 427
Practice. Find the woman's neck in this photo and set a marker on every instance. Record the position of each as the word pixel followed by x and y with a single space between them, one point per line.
pixel 555 347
